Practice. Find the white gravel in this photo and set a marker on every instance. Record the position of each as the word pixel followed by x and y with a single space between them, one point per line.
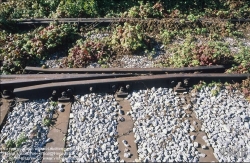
pixel 92 130
pixel 156 114
pixel 129 61
pixel 234 43
pixel 25 119
pixel 159 133
pixel 226 120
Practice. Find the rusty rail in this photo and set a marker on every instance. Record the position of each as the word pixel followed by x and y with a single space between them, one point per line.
pixel 57 76
pixel 16 81
pixel 139 82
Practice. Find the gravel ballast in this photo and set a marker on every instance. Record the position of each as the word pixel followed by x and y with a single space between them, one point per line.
pixel 160 134
pixel 25 127
pixel 226 121
pixel 224 117
pixel 92 130
pixel 161 127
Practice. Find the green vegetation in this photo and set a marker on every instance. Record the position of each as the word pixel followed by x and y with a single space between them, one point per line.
pixel 53 103
pixel 27 9
pixel 47 110
pixel 46 122
pixel 79 8
pixel 10 143
pixel 191 53
pixel 129 38
pixel 20 140
pixel 198 45
pixel 16 143
pixel 86 51
pixel 144 9
pixel 188 41
pixel 245 87
pixel 216 86
pixel 242 61
pixel 214 92
pixel 20 49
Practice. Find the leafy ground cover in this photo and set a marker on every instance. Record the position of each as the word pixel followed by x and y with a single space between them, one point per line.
pixel 21 49
pixel 144 9
pixel 185 44
pixel 187 41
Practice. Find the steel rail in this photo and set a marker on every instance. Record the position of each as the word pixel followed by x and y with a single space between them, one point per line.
pixel 109 20
pixel 55 76
pixel 17 81
pixel 219 68
pixel 104 85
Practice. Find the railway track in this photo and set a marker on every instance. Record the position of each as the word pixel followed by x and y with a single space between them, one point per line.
pixel 85 79
pixel 91 125
pixel 123 115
